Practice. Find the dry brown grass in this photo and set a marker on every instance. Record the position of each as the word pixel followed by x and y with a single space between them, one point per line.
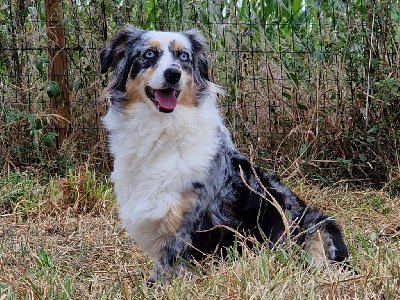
pixel 60 249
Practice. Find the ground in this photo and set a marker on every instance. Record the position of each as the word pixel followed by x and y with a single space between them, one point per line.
pixel 63 240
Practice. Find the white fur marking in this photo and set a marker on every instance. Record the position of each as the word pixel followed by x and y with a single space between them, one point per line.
pixel 157 157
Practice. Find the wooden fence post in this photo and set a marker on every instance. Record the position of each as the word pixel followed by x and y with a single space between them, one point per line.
pixel 58 69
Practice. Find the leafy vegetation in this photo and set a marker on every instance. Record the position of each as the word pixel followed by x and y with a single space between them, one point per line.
pixel 312 86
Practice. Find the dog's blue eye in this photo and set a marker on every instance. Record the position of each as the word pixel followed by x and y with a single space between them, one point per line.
pixel 150 54
pixel 184 56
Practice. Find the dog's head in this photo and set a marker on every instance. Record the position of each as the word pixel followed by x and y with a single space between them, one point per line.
pixel 163 69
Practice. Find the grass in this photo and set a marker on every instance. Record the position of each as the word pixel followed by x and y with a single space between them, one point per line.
pixel 62 239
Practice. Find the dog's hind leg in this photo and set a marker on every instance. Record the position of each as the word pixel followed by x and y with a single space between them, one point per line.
pixel 322 238
pixel 320 234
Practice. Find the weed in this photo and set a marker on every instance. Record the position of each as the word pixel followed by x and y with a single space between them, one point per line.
pixel 85 192
pixel 20 192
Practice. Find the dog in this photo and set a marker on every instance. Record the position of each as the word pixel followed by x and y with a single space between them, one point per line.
pixel 182 187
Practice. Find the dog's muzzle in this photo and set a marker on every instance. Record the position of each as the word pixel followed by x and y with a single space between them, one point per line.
pixel 166 99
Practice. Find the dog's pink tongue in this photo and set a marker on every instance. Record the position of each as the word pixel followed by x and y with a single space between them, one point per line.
pixel 166 98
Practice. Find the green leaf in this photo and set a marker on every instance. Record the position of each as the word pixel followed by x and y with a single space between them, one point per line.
pixel 74 85
pixel 373 129
pixel 53 89
pixel 371 139
pixel 287 123
pixel 40 63
pixel 44 121
pixel 49 138
pixel 362 157
pixel 293 76
pixel 38 124
pixel 286 95
pixel 319 55
pixel 303 149
pixel 39 66
pixel 344 161
pixel 302 107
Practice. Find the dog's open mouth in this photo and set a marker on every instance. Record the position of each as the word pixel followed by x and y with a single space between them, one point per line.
pixel 165 99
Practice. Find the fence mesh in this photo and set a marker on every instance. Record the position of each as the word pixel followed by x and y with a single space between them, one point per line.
pixel 311 86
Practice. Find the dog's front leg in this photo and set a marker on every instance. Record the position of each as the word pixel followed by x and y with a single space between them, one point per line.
pixel 168 264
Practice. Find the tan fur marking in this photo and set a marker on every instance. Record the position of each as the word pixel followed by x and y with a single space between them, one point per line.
pixel 155 44
pixel 169 224
pixel 135 89
pixel 188 97
pixel 174 217
pixel 160 230
pixel 178 46
pixel 317 249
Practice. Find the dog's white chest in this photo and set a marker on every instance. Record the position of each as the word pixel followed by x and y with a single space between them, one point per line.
pixel 157 158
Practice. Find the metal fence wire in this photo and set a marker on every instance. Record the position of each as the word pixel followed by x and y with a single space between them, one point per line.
pixel 311 86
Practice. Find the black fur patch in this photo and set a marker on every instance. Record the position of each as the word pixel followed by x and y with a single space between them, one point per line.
pixel 135 68
pixel 112 54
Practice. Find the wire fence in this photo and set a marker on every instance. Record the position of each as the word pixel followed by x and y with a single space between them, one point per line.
pixel 312 86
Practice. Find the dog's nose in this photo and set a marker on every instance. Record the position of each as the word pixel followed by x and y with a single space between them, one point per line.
pixel 172 75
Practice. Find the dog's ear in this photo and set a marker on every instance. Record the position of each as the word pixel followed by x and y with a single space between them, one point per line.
pixel 198 46
pixel 112 54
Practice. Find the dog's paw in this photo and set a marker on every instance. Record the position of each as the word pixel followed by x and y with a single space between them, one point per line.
pixel 166 273
pixel 155 275
pixel 151 281
pixel 159 274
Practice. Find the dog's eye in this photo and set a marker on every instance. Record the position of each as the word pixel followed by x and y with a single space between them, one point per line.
pixel 184 56
pixel 149 54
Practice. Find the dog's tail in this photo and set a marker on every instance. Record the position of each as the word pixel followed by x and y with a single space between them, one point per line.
pixel 322 237
pixel 285 214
